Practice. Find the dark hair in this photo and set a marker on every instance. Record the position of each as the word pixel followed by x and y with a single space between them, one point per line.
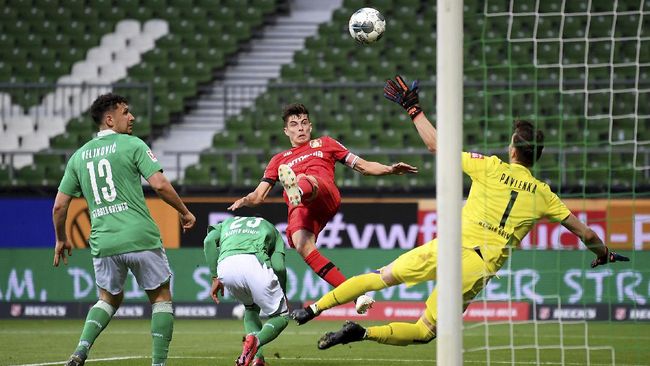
pixel 293 109
pixel 105 103
pixel 528 142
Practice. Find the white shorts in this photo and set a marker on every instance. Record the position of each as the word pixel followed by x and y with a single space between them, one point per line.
pixel 252 283
pixel 149 267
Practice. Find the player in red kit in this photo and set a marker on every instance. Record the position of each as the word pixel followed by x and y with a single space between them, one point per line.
pixel 306 171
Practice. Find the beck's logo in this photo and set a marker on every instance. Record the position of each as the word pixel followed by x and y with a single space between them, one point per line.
pixel 316 143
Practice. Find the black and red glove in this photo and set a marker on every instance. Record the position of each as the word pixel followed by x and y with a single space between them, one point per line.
pixel 400 93
pixel 609 257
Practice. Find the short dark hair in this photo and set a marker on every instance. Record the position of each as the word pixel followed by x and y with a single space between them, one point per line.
pixel 528 141
pixel 293 109
pixel 104 103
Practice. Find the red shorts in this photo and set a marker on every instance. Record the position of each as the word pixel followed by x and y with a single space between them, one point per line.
pixel 315 214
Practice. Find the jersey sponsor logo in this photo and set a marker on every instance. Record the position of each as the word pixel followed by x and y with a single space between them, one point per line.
pixel 315 144
pixel 109 210
pixel 287 153
pixel 300 159
pixel 152 156
pixel 475 155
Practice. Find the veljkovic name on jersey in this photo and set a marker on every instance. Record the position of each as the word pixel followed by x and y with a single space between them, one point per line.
pixel 99 151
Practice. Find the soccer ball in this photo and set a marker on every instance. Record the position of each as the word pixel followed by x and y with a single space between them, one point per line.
pixel 367 25
pixel 238 311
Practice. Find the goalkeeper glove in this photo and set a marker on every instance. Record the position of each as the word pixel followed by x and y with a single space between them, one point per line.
pixel 400 93
pixel 609 257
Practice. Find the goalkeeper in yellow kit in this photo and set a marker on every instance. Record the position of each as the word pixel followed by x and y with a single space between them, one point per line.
pixel 504 202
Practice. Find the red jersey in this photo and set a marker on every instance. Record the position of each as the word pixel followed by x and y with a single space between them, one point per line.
pixel 317 158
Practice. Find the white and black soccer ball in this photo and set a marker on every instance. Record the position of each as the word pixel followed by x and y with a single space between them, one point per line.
pixel 367 25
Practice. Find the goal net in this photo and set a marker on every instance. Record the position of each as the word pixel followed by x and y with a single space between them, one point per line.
pixel 580 70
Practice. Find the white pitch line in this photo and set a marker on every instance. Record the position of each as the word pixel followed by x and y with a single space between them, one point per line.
pixel 289 332
pixel 481 362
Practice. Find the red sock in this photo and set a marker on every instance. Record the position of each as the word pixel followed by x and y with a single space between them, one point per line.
pixel 306 188
pixel 324 268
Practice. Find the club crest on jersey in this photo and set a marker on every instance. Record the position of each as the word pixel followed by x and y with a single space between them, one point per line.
pixel 152 156
pixel 316 143
pixel 476 155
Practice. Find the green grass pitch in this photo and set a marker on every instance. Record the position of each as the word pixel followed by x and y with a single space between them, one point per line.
pixel 218 342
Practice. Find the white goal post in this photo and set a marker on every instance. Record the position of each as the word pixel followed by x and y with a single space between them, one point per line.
pixel 449 180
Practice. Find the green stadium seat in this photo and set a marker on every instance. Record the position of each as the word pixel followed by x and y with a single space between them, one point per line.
pixel 358 139
pixel 33 175
pixel 207 26
pixel 239 124
pixel 574 26
pixel 160 116
pixel 198 175
pixel 225 140
pixel 100 27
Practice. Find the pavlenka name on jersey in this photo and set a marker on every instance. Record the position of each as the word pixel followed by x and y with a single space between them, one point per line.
pixel 109 210
pixel 518 184
pixel 303 157
pixel 499 231
pixel 240 231
pixel 99 151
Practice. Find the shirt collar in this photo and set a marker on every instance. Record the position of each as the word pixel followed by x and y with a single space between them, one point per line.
pixel 519 166
pixel 107 132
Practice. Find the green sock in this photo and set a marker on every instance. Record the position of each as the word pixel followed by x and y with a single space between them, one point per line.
pixel 162 327
pixel 272 329
pixel 253 324
pixel 96 320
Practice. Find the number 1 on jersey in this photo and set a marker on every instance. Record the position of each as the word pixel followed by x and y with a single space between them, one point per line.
pixel 506 213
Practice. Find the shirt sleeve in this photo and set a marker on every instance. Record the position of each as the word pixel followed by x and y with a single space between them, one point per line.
pixel 556 210
pixel 70 184
pixel 145 160
pixel 476 165
pixel 271 171
pixel 211 248
pixel 338 151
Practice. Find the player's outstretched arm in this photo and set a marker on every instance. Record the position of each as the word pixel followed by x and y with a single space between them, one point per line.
pixel 399 92
pixel 59 215
pixel 166 191
pixel 254 198
pixel 374 168
pixel 592 241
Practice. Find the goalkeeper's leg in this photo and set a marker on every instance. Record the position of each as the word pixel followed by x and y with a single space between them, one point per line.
pixel 403 334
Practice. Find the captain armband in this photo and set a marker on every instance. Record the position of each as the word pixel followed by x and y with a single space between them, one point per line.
pixel 351 160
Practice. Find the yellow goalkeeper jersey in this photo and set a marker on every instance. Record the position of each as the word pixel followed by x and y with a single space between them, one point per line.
pixel 504 203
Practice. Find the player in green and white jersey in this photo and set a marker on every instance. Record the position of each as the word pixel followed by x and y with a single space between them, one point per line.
pixel 107 171
pixel 246 256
